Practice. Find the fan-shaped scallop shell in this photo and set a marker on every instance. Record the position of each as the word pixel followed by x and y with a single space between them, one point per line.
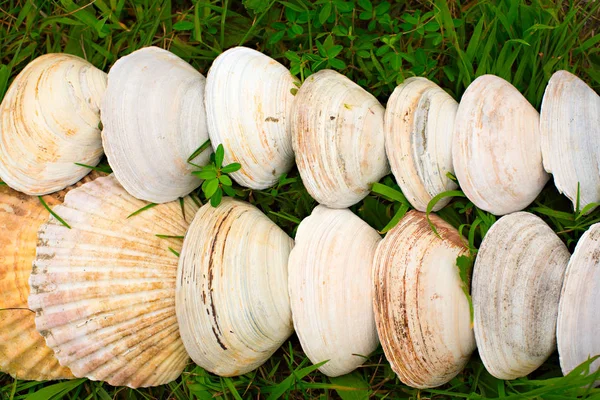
pixel 578 323
pixel 104 290
pixel 516 286
pixel 154 119
pixel 48 122
pixel 496 147
pixel 421 311
pixel 419 123
pixel 248 104
pixel 570 128
pixel 337 135
pixel 330 285
pixel 233 305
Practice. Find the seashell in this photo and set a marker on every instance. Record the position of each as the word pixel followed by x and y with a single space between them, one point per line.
pixel 578 324
pixel 104 291
pixel 496 147
pixel 419 123
pixel 48 122
pixel 516 286
pixel 248 105
pixel 154 119
pixel 330 286
pixel 233 305
pixel 421 311
pixel 337 135
pixel 23 351
pixel 569 126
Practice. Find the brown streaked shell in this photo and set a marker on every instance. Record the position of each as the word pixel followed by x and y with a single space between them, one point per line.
pixel 570 129
pixel 516 286
pixel 496 149
pixel 233 305
pixel 248 103
pixel 23 351
pixel 578 323
pixel 337 135
pixel 154 119
pixel 104 290
pixel 421 311
pixel 49 121
pixel 331 290
pixel 419 124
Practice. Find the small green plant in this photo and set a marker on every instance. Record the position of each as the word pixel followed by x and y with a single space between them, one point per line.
pixel 216 180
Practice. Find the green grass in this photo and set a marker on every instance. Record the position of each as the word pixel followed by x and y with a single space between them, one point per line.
pixel 377 44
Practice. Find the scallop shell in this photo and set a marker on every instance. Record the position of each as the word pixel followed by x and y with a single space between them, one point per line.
pixel 578 323
pixel 154 119
pixel 104 291
pixel 48 122
pixel 23 351
pixel 419 123
pixel 248 104
pixel 330 286
pixel 337 135
pixel 233 306
pixel 516 286
pixel 570 129
pixel 421 311
pixel 496 147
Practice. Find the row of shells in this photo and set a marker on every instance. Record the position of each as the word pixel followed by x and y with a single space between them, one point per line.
pixel 113 302
pixel 153 110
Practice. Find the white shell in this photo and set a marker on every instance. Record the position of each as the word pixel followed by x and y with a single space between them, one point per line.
pixel 516 286
pixel 233 305
pixel 578 325
pixel 154 119
pixel 248 105
pixel 331 289
pixel 570 128
pixel 419 124
pixel 337 134
pixel 496 147
pixel 48 122
pixel 104 291
pixel 421 311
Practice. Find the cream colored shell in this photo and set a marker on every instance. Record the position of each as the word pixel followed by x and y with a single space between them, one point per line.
pixel 104 291
pixel 331 291
pixel 516 286
pixel 421 311
pixel 419 124
pixel 337 135
pixel 233 305
pixel 578 325
pixel 570 129
pixel 48 122
pixel 248 104
pixel 496 147
pixel 154 119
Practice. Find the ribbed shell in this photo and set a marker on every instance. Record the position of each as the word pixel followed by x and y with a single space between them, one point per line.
pixel 496 147
pixel 48 122
pixel 154 119
pixel 421 311
pixel 419 124
pixel 516 286
pixel 248 105
pixel 570 129
pixel 233 305
pixel 337 135
pixel 104 291
pixel 331 291
pixel 578 323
